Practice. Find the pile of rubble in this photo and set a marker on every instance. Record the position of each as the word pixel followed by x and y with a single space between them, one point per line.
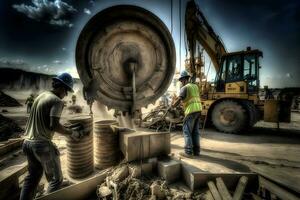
pixel 163 118
pixel 8 101
pixel 125 182
pixel 9 128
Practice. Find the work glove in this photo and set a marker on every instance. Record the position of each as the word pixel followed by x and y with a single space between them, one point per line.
pixel 78 132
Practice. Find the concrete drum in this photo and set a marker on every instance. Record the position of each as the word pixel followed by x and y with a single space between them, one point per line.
pixel 80 162
pixel 106 143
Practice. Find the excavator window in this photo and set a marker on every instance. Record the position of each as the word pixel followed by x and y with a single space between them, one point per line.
pixel 221 77
pixel 234 68
pixel 238 67
pixel 250 72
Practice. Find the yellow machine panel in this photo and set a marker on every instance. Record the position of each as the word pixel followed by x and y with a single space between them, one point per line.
pixel 236 87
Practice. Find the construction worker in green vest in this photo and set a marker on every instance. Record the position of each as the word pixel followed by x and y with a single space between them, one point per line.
pixel 190 97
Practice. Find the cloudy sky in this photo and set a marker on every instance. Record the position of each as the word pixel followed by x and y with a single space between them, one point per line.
pixel 40 35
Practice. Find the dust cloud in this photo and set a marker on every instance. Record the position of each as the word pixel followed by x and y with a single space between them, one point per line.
pixel 100 111
pixel 126 121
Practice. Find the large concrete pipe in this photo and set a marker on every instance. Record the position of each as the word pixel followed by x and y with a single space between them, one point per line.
pixel 125 57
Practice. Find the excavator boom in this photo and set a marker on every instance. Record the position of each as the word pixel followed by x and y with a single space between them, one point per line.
pixel 198 30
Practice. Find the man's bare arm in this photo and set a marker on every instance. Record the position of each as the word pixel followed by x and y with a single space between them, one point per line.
pixel 177 102
pixel 56 126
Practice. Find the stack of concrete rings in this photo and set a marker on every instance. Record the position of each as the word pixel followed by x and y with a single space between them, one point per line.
pixel 80 160
pixel 107 151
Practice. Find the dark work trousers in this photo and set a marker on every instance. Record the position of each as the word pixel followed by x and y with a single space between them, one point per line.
pixel 42 156
pixel 191 133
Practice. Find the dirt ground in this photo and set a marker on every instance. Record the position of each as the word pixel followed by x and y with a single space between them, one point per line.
pixel 264 149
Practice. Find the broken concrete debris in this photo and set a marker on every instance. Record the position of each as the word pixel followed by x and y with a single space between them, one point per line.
pixel 104 192
pixel 139 187
pixel 157 191
pixel 120 174
pixel 9 128
pixel 8 101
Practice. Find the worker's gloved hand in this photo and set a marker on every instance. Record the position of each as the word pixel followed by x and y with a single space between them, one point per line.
pixel 76 135
pixel 78 132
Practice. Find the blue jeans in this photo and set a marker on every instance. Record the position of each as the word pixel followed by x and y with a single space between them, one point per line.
pixel 191 133
pixel 42 156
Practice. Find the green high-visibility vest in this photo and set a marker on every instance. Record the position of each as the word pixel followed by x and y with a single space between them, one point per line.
pixel 192 102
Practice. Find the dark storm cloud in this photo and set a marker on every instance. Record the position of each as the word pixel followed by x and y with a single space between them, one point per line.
pixel 256 15
pixel 56 12
pixel 270 25
pixel 92 3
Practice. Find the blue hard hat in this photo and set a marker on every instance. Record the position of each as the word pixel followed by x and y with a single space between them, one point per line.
pixel 184 74
pixel 66 79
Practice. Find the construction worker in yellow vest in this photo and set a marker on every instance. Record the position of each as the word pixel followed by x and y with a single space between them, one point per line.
pixel 190 97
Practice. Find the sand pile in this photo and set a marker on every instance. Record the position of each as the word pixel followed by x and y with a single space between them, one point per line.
pixel 9 129
pixel 8 101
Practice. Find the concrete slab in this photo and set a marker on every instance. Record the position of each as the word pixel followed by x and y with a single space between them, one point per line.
pixel 142 145
pixel 10 145
pixel 280 192
pixel 9 180
pixel 146 167
pixel 170 170
pixel 78 191
pixel 279 176
pixel 196 178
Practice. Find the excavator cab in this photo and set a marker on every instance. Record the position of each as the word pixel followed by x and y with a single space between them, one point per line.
pixel 239 72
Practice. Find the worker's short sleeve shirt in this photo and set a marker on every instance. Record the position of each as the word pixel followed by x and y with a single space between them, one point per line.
pixel 45 106
pixel 183 92
pixel 56 109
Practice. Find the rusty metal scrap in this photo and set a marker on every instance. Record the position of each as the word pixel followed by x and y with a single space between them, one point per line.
pixel 162 118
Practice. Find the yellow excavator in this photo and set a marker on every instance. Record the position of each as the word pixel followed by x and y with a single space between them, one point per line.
pixel 232 102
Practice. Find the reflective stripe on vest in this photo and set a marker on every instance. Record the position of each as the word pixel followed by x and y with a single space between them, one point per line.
pixel 192 102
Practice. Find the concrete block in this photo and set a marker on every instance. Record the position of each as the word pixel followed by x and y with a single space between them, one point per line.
pixel 154 163
pixel 9 180
pixel 10 145
pixel 188 173
pixel 142 145
pixel 170 170
pixel 137 170
pixel 78 191
pixel 196 178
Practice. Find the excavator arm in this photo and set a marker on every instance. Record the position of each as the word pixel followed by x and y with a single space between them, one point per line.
pixel 198 30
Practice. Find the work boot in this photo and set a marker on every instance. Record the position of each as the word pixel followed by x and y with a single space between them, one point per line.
pixel 187 155
pixel 197 154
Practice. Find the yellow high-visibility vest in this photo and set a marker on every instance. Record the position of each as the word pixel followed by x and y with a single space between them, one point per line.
pixel 192 102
